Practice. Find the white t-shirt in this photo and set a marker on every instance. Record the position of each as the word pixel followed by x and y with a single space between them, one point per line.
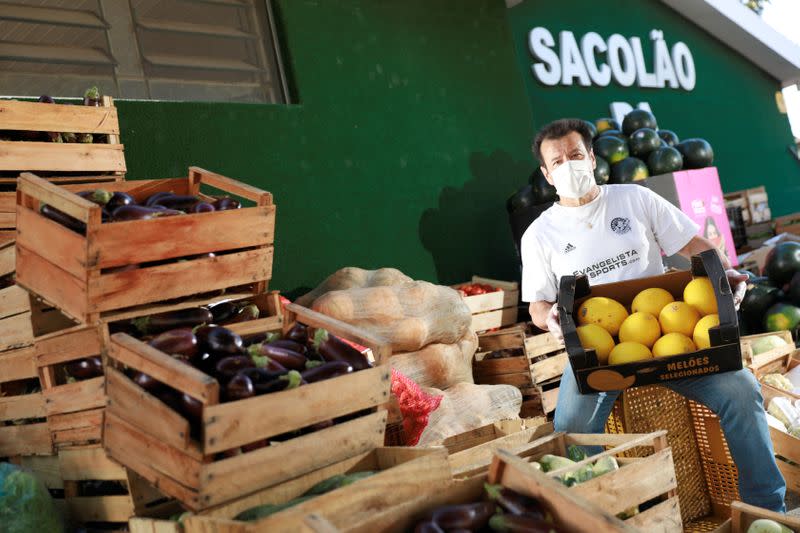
pixel 617 236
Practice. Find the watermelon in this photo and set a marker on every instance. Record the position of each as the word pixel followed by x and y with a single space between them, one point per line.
pixel 612 149
pixel 794 289
pixel 638 119
pixel 542 191
pixel 521 199
pixel 664 160
pixel 757 300
pixel 643 141
pixel 628 170
pixel 603 124
pixel 591 127
pixel 697 153
pixel 668 137
pixel 602 171
pixel 782 317
pixel 782 262
pixel 613 133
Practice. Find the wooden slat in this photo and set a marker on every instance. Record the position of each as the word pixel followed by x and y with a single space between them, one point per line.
pixel 232 424
pixel 13 301
pixel 132 448
pixel 664 517
pixel 791 474
pixel 45 468
pixel 21 407
pixel 152 309
pixel 18 364
pixel 74 397
pixel 63 346
pixel 379 347
pixel 30 439
pixel 139 189
pixel 500 366
pixel 35 116
pixel 152 525
pixel 41 277
pixel 173 280
pixel 520 380
pixel 632 485
pixel 235 187
pixel 54 16
pixel 542 344
pixel 136 406
pixel 139 241
pixel 87 463
pixel 357 502
pixel 33 186
pixel 570 511
pixel 274 464
pixel 8 220
pixel 494 319
pixel 8 255
pixel 16 331
pixel 82 420
pixel 100 508
pixel 52 242
pixel 180 376
pixel 70 157
pixel 743 515
pixel 478 458
pixel 550 368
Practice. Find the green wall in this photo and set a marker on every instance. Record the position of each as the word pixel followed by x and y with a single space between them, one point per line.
pixel 732 106
pixel 411 129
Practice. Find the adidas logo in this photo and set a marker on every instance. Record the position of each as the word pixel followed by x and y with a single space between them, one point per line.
pixel 569 248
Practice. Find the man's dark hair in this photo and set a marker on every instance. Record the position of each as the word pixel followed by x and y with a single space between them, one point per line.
pixel 561 128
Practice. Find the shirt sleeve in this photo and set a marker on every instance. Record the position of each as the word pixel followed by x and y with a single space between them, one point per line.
pixel 672 228
pixel 538 279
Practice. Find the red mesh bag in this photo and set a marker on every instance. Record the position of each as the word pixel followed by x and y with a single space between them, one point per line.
pixel 415 404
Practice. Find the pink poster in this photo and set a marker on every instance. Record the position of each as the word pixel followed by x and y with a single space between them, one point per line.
pixel 700 197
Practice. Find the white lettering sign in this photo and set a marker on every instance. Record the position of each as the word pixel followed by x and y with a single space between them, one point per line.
pixel 596 62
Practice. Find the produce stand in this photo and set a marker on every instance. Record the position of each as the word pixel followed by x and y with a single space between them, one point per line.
pixel 158 443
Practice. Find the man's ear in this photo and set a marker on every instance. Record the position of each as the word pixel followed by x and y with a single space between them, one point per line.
pixel 546 175
pixel 593 158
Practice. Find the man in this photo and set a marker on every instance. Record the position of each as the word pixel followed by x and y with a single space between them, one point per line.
pixel 626 227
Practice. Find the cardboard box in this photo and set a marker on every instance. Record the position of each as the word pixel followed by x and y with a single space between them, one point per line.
pixel 723 356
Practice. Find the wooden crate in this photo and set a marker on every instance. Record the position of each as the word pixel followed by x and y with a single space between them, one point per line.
pixel 571 512
pixel 155 441
pixel 742 515
pixel 68 162
pixel 637 481
pixel 786 447
pixel 80 274
pixel 494 309
pixel 90 463
pixel 787 224
pixel 33 436
pixel 536 370
pixel 402 472
pixel 487 433
pixel 747 348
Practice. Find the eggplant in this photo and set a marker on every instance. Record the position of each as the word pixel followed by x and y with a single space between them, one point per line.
pixel 92 97
pixel 191 408
pixel 85 138
pixel 87 368
pixel 254 338
pixel 44 99
pixel 118 199
pixel 428 527
pixel 325 371
pixel 146 381
pixel 97 196
pixel 290 380
pixel 179 202
pixel 68 137
pixel 262 375
pixel 203 207
pixel 153 198
pixel 332 348
pixel 227 367
pixel 64 219
pixel 180 343
pixel 289 359
pixel 521 524
pixel 139 212
pixel 290 345
pixel 225 203
pixel 219 340
pixel 170 397
pixel 248 312
pixel 465 516
pixel 298 333
pixel 515 503
pixel 223 311
pixel 191 317
pixel 239 387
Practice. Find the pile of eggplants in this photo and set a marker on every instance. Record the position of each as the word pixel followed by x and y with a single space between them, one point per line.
pixel 91 97
pixel 502 510
pixel 121 207
pixel 245 367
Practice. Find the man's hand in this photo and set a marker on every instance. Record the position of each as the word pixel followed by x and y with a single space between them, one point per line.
pixel 554 323
pixel 738 283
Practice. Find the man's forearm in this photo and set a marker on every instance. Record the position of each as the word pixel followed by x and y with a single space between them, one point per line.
pixel 539 312
pixel 701 244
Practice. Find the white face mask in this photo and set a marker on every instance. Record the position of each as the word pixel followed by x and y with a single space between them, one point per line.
pixel 573 178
